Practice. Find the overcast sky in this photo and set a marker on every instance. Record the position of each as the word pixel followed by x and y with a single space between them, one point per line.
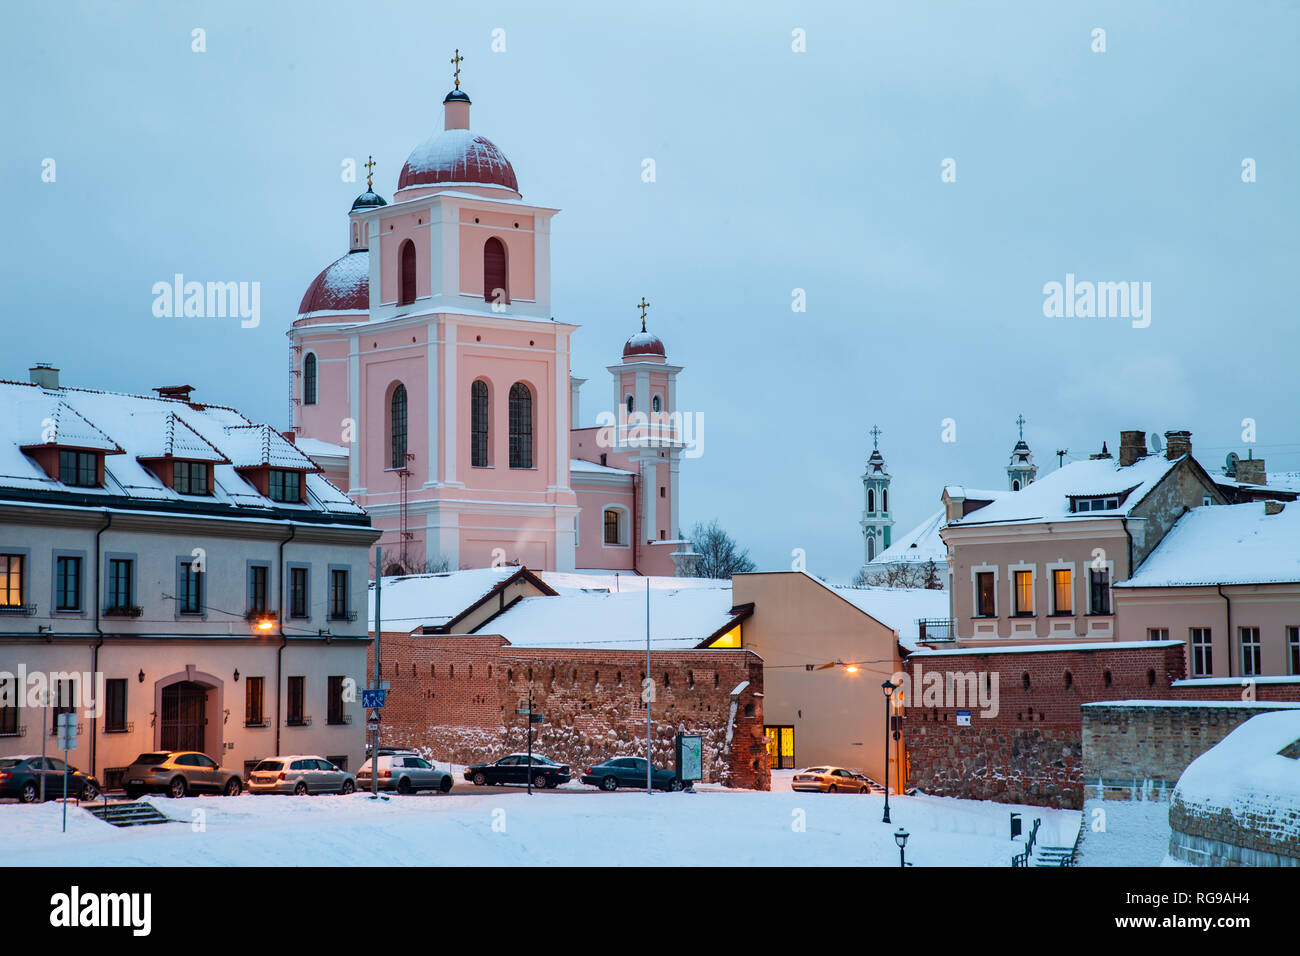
pixel 776 170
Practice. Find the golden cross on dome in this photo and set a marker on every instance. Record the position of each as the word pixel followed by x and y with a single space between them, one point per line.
pixel 875 436
pixel 1020 420
pixel 370 173
pixel 643 305
pixel 456 61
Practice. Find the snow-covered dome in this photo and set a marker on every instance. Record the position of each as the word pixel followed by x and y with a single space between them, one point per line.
pixel 457 156
pixel 643 343
pixel 343 286
pixel 369 200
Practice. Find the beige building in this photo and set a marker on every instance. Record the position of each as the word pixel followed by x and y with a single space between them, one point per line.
pixel 826 651
pixel 181 577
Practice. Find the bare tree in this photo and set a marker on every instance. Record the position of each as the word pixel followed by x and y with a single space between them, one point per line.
pixel 720 556
pixel 899 575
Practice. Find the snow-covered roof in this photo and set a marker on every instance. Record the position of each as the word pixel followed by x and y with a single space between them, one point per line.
pixel 1247 777
pixel 918 546
pixel 680 619
pixel 581 466
pixel 432 600
pixel 1225 544
pixel 315 448
pixel 618 581
pixel 1048 498
pixel 134 427
pixel 897 608
pixel 1274 481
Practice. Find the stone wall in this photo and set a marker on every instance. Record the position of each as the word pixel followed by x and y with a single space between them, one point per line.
pixel 454 698
pixel 1030 750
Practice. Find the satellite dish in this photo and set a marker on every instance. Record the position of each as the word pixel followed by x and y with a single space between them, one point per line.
pixel 1154 442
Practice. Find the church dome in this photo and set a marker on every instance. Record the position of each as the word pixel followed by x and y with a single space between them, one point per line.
pixel 459 157
pixel 343 286
pixel 644 343
pixel 369 200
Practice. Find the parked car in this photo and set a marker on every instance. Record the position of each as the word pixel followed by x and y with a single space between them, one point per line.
pixel 628 772
pixel 516 768
pixel 21 777
pixel 406 773
pixel 300 774
pixel 830 780
pixel 178 773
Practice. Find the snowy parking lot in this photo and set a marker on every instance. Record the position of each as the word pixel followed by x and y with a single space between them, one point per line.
pixel 564 827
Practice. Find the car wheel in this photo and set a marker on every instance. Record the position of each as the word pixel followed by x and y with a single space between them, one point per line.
pixel 609 783
pixel 445 785
pixel 865 789
pixel 480 779
pixel 832 789
pixel 176 789
pixel 300 789
pixel 675 785
pixel 30 793
pixel 404 786
pixel 234 787
pixel 348 787
pixel 539 781
pixel 89 791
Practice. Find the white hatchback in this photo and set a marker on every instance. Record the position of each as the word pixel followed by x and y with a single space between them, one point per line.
pixel 300 774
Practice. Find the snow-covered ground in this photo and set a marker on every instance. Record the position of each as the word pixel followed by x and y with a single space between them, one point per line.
pixel 713 827
pixel 1124 833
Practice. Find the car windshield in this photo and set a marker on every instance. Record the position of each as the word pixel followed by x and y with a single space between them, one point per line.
pixel 816 770
pixel 270 765
pixel 150 760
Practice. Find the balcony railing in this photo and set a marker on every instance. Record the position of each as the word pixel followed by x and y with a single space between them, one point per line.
pixel 123 610
pixel 24 610
pixel 19 731
pixel 936 629
pixel 336 615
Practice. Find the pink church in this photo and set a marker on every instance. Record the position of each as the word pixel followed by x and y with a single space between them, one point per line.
pixel 431 381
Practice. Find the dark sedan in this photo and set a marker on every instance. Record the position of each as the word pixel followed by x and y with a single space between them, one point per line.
pixel 21 777
pixel 516 768
pixel 628 772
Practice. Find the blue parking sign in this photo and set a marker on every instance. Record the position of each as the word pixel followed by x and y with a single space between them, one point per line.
pixel 373 699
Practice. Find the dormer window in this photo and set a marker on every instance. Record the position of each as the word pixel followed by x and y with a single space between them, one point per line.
pixel 1096 504
pixel 79 468
pixel 191 478
pixel 283 485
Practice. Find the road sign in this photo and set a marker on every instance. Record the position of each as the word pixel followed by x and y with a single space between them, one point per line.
pixel 524 711
pixel 374 699
pixel 372 726
pixel 537 718
pixel 963 719
pixel 67 728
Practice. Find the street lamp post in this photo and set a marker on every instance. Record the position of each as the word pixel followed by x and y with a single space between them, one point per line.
pixel 888 687
pixel 901 839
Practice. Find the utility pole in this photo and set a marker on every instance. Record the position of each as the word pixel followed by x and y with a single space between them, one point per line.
pixel 374 747
pixel 650 695
pixel 529 771
pixel 1060 456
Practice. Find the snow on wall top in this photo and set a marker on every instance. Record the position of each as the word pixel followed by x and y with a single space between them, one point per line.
pixel 143 427
pixel 1225 544
pixel 897 608
pixel 581 465
pixel 1048 498
pixel 457 156
pixel 342 286
pixel 1246 775
pixel 918 546
pixel 431 600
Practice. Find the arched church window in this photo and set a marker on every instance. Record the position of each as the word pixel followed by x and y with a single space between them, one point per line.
pixel 1015 485
pixel 397 427
pixel 656 405
pixel 309 379
pixel 613 526
pixel 884 500
pixel 871 549
pixel 496 287
pixel 479 417
pixel 631 404
pixel 871 499
pixel 521 426
pixel 406 273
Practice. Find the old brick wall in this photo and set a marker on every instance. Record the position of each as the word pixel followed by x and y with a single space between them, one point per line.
pixel 454 698
pixel 1030 750
pixel 1138 749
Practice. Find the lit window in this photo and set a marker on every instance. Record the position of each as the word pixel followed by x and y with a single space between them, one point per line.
pixel 1025 593
pixel 11 580
pixel 1062 591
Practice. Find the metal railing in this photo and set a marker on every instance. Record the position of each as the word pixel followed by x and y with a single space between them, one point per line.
pixel 937 629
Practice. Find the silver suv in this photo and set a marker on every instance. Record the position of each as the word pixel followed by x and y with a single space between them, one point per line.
pixel 299 774
pixel 405 773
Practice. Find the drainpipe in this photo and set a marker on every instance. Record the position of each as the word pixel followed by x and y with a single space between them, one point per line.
pixel 284 640
pixel 1129 535
pixel 636 504
pixel 99 639
pixel 1227 601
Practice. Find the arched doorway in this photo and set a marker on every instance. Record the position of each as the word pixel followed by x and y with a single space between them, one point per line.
pixel 183 722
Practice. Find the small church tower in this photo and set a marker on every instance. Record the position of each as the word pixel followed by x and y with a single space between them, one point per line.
pixel 876 518
pixel 1021 469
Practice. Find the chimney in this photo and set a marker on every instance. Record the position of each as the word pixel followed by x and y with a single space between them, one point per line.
pixel 1104 453
pixel 45 375
pixel 178 392
pixel 1178 444
pixel 455 110
pixel 1250 471
pixel 1132 447
pixel 1273 507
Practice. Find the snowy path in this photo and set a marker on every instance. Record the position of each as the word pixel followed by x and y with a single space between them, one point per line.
pixel 729 828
